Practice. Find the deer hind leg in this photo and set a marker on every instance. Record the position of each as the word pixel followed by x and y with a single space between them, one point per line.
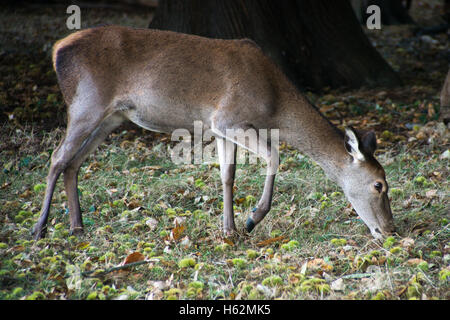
pixel 71 171
pixel 84 119
pixel 262 148
pixel 227 159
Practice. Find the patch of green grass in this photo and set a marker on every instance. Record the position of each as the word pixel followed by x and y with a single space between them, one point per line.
pixel 134 199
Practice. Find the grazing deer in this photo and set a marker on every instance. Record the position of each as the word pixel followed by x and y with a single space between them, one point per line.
pixel 164 80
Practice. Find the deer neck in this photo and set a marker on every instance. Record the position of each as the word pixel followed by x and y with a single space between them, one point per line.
pixel 306 129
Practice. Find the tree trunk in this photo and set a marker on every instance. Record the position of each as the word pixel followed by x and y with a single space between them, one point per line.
pixel 317 43
pixel 445 100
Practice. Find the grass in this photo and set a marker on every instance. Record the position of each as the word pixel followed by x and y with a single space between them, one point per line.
pixel 133 199
pixel 136 202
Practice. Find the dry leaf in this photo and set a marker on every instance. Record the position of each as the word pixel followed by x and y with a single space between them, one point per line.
pixel 431 111
pixel 185 242
pixel 407 243
pixel 414 261
pixel 162 205
pixel 133 257
pixel 5 185
pixel 18 248
pixel 269 241
pixel 133 204
pixel 338 285
pixel 401 290
pixel 152 223
pixel 291 210
pixel 179 221
pixel 319 264
pixel 326 108
pixel 431 193
pixel 176 232
pixel 228 241
pixel 83 245
pixel 94 166
pixel 125 144
pixel 26 194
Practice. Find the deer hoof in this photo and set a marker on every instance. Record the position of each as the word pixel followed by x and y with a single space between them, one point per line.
pixel 38 232
pixel 76 231
pixel 250 225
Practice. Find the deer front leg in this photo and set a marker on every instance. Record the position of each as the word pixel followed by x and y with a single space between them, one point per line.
pixel 264 204
pixel 245 135
pixel 227 159
pixel 270 155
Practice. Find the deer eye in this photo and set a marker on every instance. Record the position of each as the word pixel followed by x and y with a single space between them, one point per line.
pixel 378 186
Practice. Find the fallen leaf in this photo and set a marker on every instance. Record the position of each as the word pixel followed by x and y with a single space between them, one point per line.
pixel 269 241
pixel 319 264
pixel 445 155
pixel 133 257
pixel 125 144
pixel 304 267
pixel 176 232
pixel 326 108
pixel 185 242
pixel 401 290
pixel 420 227
pixel 134 204
pixel 407 243
pixel 338 285
pixel 430 110
pixel 228 241
pixel 83 245
pixel 179 221
pixel 152 223
pixel 18 248
pixel 26 194
pixel 5 185
pixel 414 261
pixel 431 193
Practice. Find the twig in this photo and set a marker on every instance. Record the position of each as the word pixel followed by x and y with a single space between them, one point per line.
pixel 128 265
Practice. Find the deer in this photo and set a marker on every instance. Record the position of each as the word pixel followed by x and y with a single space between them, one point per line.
pixel 163 80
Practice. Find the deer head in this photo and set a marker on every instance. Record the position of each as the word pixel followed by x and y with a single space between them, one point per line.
pixel 364 183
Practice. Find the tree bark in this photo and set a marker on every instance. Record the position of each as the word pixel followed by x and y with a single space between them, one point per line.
pixel 445 100
pixel 317 43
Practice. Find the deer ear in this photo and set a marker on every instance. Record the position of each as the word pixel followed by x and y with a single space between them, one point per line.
pixel 352 144
pixel 369 143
